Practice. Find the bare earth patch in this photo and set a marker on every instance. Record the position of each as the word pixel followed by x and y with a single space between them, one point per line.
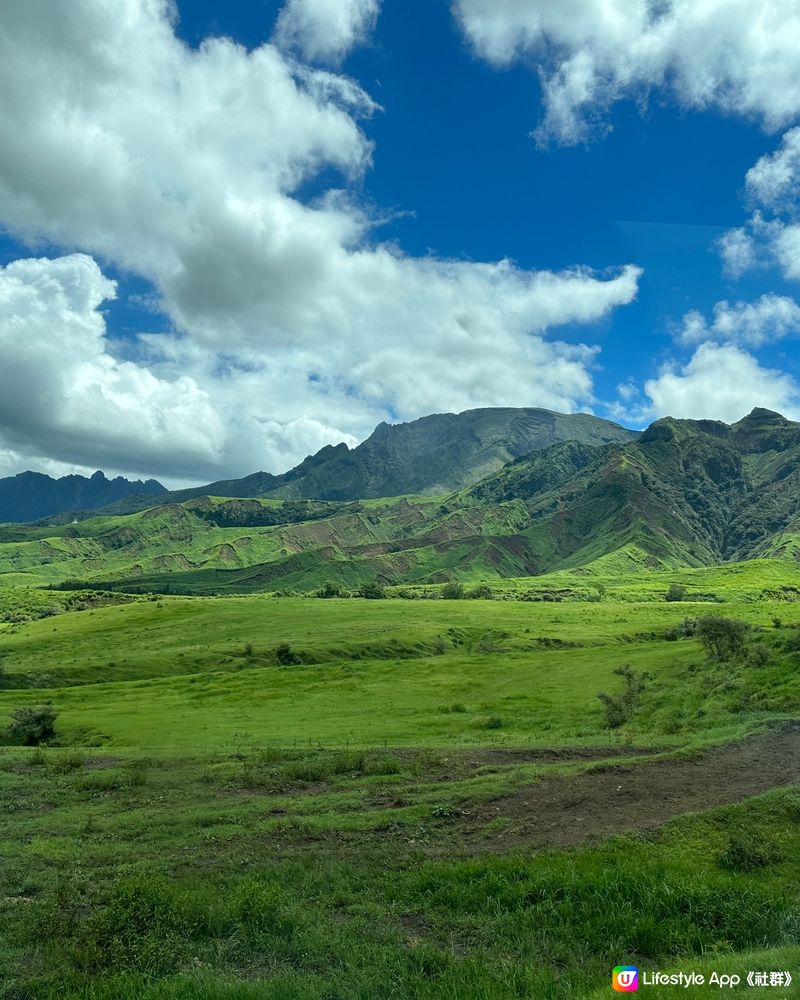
pixel 614 799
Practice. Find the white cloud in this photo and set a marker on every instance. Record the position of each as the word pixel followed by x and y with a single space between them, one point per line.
pixel 739 252
pixel 738 56
pixel 762 243
pixel 183 166
pixel 771 236
pixel 325 30
pixel 773 182
pixel 63 394
pixel 720 382
pixel 769 318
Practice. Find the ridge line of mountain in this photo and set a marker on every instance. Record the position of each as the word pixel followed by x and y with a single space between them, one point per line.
pixel 435 454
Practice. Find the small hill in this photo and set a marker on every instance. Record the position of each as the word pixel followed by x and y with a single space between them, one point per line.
pixel 31 495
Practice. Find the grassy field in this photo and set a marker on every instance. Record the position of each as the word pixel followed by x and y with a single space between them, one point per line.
pixel 254 797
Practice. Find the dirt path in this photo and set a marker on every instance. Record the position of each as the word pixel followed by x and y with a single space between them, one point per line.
pixel 613 799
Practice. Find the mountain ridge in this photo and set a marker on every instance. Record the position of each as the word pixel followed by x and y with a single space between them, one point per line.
pixel 435 454
pixel 684 494
pixel 36 495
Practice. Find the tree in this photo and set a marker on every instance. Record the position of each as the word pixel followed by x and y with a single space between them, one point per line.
pixel 33 724
pixel 372 591
pixel 453 591
pixel 723 638
pixel 676 592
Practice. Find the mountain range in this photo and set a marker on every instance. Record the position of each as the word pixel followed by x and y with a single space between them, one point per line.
pixel 433 455
pixel 684 493
pixel 32 495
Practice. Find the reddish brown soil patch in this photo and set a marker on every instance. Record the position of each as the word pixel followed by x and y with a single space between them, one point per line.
pixel 613 799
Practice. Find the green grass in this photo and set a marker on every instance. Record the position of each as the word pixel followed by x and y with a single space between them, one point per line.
pixel 183 673
pixel 215 825
pixel 168 882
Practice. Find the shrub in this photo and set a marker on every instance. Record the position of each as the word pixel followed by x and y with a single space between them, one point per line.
pixel 792 643
pixel 758 655
pixel 676 592
pixel 619 708
pixel 33 724
pixel 453 591
pixel 683 630
pixel 723 638
pixel 329 590
pixel 493 722
pixel 286 656
pixel 372 592
pixel 480 593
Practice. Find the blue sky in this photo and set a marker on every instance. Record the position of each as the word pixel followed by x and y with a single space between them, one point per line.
pixel 446 149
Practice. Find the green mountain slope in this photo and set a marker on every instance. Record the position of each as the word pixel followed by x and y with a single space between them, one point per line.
pixel 686 493
pixel 430 456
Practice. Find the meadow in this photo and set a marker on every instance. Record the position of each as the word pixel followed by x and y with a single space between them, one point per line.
pixel 264 798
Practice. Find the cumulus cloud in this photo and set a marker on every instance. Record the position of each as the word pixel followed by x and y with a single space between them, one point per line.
pixel 739 252
pixel 719 382
pixel 771 236
pixel 63 394
pixel 773 182
pixel 184 166
pixel 735 55
pixel 769 318
pixel 325 30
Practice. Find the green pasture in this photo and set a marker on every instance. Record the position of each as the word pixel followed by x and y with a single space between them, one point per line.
pixel 221 819
pixel 199 673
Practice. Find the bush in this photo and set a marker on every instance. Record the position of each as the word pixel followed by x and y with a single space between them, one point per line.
pixel 758 655
pixel 372 592
pixel 33 724
pixel 453 591
pixel 619 708
pixel 792 643
pixel 683 630
pixel 329 590
pixel 286 656
pixel 676 592
pixel 480 593
pixel 723 638
pixel 493 722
